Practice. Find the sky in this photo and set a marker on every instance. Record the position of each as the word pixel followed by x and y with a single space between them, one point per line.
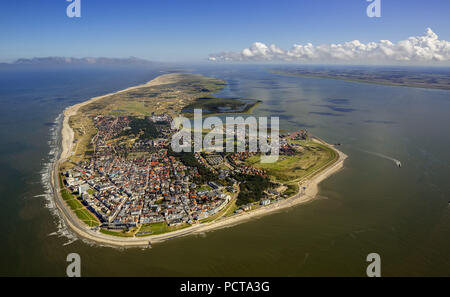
pixel 195 30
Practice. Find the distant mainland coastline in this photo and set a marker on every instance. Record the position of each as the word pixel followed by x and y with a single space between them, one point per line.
pixel 392 77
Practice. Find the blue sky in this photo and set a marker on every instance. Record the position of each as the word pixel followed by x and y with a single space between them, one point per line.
pixel 189 30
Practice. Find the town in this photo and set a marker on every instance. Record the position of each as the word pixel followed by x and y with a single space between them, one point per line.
pixel 134 178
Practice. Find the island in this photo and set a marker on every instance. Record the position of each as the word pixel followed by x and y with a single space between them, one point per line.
pixel 118 182
pixel 416 77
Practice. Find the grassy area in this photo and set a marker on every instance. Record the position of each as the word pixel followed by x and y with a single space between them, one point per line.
pixel 66 194
pixel 203 188
pixel 291 169
pixel 78 208
pixel 117 233
pixel 291 190
pixel 74 204
pixel 160 228
pixel 231 208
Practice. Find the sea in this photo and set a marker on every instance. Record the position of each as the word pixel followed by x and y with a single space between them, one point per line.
pixel 371 206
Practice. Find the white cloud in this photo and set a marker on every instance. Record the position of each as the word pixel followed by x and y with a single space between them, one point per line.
pixel 423 49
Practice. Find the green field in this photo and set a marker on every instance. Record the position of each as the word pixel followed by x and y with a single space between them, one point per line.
pixel 78 208
pixel 116 233
pixel 159 228
pixel 291 190
pixel 231 208
pixel 203 188
pixel 291 169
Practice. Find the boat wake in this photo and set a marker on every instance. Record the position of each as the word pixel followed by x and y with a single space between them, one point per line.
pixel 396 162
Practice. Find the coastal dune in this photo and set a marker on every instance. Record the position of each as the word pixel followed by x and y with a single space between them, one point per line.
pixel 67 141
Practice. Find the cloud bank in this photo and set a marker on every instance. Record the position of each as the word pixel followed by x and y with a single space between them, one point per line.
pixel 425 49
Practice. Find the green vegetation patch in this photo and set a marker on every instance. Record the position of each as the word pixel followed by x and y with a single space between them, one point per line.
pixel 74 204
pixel 143 128
pixel 116 233
pixel 288 169
pixel 203 188
pixel 66 195
pixel 159 228
pixel 291 190
pixel 251 188
pixel 77 207
pixel 86 217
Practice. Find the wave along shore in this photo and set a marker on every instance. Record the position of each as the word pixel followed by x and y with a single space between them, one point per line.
pixel 85 232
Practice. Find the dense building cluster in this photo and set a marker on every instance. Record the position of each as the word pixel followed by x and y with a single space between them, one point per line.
pixel 127 191
pixel 130 181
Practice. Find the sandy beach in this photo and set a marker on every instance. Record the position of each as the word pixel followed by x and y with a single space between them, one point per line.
pixel 85 232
